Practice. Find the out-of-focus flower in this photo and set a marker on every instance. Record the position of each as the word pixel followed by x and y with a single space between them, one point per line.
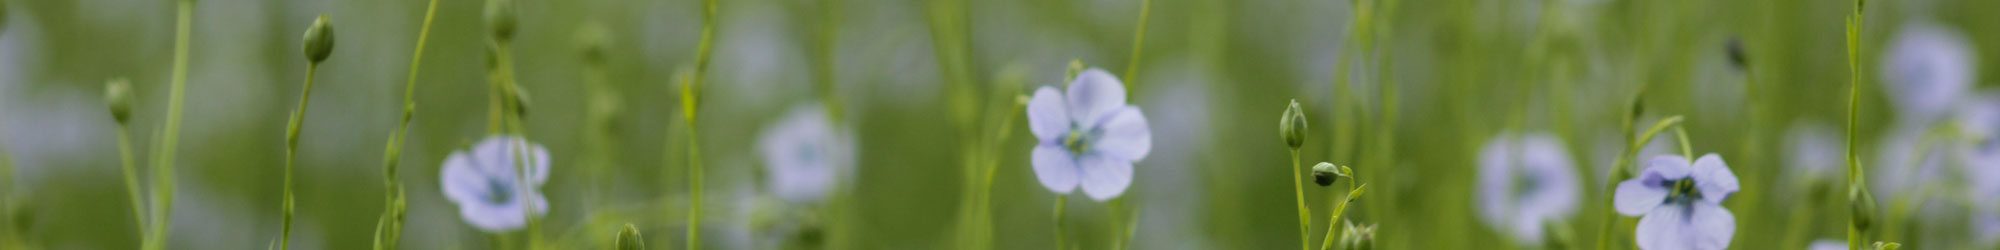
pixel 1817 151
pixel 1927 68
pixel 1828 245
pixel 1089 136
pixel 806 155
pixel 1979 124
pixel 484 184
pixel 1525 182
pixel 1682 205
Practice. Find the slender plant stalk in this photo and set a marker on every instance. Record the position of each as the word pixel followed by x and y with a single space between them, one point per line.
pixel 291 153
pixel 131 178
pixel 389 234
pixel 1062 207
pixel 163 169
pixel 1138 43
pixel 694 146
pixel 1305 214
pixel 1854 174
pixel 1333 223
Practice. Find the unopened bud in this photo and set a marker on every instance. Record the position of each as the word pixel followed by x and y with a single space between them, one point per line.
pixel 118 97
pixel 1359 237
pixel 591 41
pixel 500 18
pixel 319 40
pixel 1293 125
pixel 1325 174
pixel 628 238
pixel 1075 67
pixel 1863 205
pixel 1737 56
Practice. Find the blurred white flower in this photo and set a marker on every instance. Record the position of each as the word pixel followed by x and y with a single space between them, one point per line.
pixel 1979 124
pixel 1526 182
pixel 1817 151
pixel 1089 136
pixel 482 181
pixel 1828 245
pixel 806 155
pixel 1682 205
pixel 1927 68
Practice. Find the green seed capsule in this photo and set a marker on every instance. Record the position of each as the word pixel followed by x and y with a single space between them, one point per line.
pixel 118 97
pixel 500 18
pixel 319 40
pixel 1325 173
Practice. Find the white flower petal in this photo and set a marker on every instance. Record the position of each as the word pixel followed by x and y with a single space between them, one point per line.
pixel 1104 176
pixel 493 217
pixel 1714 179
pixel 1056 168
pixel 460 182
pixel 1125 135
pixel 1048 116
pixel 1094 94
pixel 1712 226
pixel 1636 196
pixel 1669 167
pixel 1665 228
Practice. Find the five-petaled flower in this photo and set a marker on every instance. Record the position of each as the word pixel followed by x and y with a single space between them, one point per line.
pixel 1089 136
pixel 482 181
pixel 1525 182
pixel 806 155
pixel 1682 205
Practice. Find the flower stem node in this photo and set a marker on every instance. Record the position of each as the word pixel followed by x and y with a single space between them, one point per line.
pixel 500 18
pixel 1863 205
pixel 1325 174
pixel 118 97
pixel 1293 125
pixel 628 238
pixel 319 40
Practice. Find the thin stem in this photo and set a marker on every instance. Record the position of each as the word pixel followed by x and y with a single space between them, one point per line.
pixel 131 178
pixel 1305 214
pixel 1622 164
pixel 1138 43
pixel 291 153
pixel 694 146
pixel 1333 222
pixel 388 235
pixel 1062 202
pixel 1686 150
pixel 1854 174
pixel 163 169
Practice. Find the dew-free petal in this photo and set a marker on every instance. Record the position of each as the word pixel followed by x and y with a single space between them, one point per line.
pixel 1713 177
pixel 1048 116
pixel 1665 228
pixel 460 182
pixel 1711 226
pixel 1669 167
pixel 1636 197
pixel 1125 135
pixel 1105 176
pixel 1094 94
pixel 1055 167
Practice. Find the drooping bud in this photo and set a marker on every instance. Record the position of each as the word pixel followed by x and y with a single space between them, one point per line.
pixel 319 40
pixel 628 238
pixel 1863 205
pixel 1292 126
pixel 1737 56
pixel 118 97
pixel 1326 173
pixel 500 18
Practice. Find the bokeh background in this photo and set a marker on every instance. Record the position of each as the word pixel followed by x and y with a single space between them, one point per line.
pixel 1213 78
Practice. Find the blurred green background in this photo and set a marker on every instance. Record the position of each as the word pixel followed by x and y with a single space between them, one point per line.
pixel 1213 78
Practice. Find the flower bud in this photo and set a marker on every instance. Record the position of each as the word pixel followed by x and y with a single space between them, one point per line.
pixel 1325 173
pixel 500 18
pixel 1359 237
pixel 319 40
pixel 118 97
pixel 628 238
pixel 590 42
pixel 1075 67
pixel 1863 205
pixel 1293 125
pixel 1737 56
pixel 1881 245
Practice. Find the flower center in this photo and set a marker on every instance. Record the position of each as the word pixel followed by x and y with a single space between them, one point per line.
pixel 1684 190
pixel 498 191
pixel 1075 142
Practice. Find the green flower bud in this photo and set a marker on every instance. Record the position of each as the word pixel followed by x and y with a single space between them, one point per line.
pixel 500 18
pixel 591 40
pixel 1325 173
pixel 1737 56
pixel 319 40
pixel 118 97
pixel 1863 205
pixel 628 238
pixel 1075 67
pixel 1293 125
pixel 1359 237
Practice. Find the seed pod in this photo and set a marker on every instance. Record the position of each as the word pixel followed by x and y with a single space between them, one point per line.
pixel 319 40
pixel 500 18
pixel 118 97
pixel 1325 173
pixel 1293 125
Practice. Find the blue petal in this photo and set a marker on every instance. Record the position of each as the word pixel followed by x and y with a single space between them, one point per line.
pixel 1094 94
pixel 495 156
pixel 1048 117
pixel 1104 176
pixel 461 183
pixel 493 217
pixel 1637 197
pixel 1667 167
pixel 1056 168
pixel 1665 228
pixel 1712 226
pixel 1712 175
pixel 1125 135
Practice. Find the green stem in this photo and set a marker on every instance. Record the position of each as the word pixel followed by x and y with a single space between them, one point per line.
pixel 1062 202
pixel 389 235
pixel 1333 222
pixel 702 51
pixel 1305 214
pixel 1138 43
pixel 131 178
pixel 1686 150
pixel 291 153
pixel 1796 230
pixel 1854 174
pixel 1623 164
pixel 163 169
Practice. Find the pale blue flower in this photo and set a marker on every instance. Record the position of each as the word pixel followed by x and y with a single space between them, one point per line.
pixel 1927 67
pixel 1828 245
pixel 1682 205
pixel 805 155
pixel 1980 152
pixel 1089 136
pixel 1817 151
pixel 1526 182
pixel 483 183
